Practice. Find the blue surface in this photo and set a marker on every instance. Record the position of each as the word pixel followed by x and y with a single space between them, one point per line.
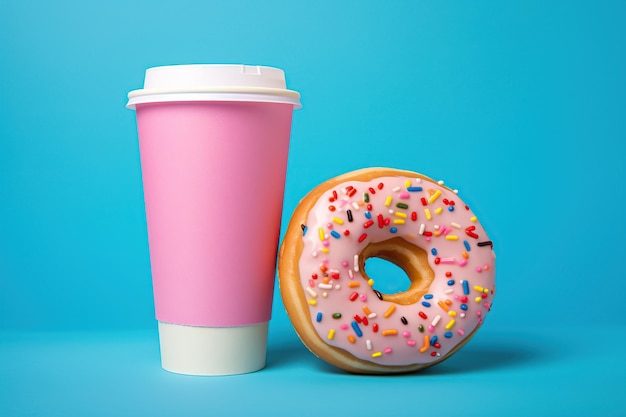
pixel 520 105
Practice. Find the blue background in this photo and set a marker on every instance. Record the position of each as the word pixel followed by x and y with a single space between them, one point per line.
pixel 518 104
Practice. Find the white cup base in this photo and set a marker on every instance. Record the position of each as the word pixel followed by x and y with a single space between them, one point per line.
pixel 195 350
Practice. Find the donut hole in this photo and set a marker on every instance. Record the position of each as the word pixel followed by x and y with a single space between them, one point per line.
pixel 388 277
pixel 409 258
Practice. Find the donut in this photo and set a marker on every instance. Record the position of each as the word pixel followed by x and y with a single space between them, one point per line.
pixel 404 218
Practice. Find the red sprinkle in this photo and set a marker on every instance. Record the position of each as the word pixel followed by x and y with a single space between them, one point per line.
pixel 334 275
pixel 354 296
pixel 362 237
pixel 451 202
pixel 437 345
pixel 437 260
pixel 368 223
pixel 428 233
pixel 352 192
pixel 467 208
pixel 380 221
pixel 387 222
pixel 373 191
pixel 414 216
pixel 314 276
pixel 365 321
pixel 331 208
pixel 423 315
pixel 334 194
pixel 346 232
pixel 470 232
pixel 445 201
pixel 433 353
pixel 424 202
pixel 380 185
pixel 375 327
pixel 448 274
pixel 370 207
pixel 357 318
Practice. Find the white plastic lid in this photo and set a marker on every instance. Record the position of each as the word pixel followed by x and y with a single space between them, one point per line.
pixel 194 350
pixel 214 82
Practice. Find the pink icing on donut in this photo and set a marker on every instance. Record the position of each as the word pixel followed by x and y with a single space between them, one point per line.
pixel 345 309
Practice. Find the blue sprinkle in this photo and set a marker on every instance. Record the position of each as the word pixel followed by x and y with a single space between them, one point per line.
pixel 304 229
pixel 433 251
pixel 368 214
pixel 465 287
pixel 358 331
pixel 393 230
pixel 425 303
pixel 464 307
pixel 319 316
pixel 428 296
pixel 451 282
pixel 414 189
pixel 334 234
pixel 450 208
pixel 433 340
pixel 467 245
pixel 447 335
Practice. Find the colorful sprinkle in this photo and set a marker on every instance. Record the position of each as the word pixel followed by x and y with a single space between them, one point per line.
pixel 389 311
pixel 357 330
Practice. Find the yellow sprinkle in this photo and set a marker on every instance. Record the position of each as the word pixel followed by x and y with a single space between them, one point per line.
pixel 398 221
pixel 337 220
pixel 426 213
pixel 452 237
pixel 478 299
pixel 400 214
pixel 474 219
pixel 390 332
pixel 313 302
pixel 370 282
pixel 351 338
pixel 438 210
pixel 452 313
pixel 331 334
pixel 321 231
pixel 353 284
pixel 434 196
pixel 426 344
pixel 366 310
pixel 388 201
pixel 465 254
pixel 407 183
pixel 377 354
pixel 450 324
pixel 325 250
pixel 390 311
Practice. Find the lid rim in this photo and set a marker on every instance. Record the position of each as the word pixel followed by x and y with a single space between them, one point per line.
pixel 223 90
pixel 195 96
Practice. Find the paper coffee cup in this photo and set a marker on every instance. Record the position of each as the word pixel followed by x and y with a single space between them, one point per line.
pixel 213 142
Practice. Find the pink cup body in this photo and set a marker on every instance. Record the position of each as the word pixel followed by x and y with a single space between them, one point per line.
pixel 214 177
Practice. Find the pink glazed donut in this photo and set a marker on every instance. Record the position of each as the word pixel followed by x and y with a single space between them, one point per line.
pixel 411 221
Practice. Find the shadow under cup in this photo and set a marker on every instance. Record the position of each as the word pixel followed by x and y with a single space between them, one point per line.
pixel 214 176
